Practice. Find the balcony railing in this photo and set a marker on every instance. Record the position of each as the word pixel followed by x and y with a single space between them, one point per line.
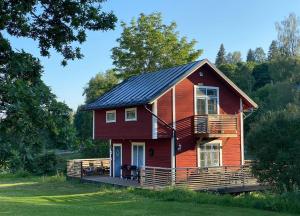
pixel 216 125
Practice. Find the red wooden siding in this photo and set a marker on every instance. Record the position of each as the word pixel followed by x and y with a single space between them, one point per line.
pixel 161 149
pixel 229 103
pixel 164 111
pixel 121 129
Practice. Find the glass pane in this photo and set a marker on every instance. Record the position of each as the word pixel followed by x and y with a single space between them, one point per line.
pixel 212 105
pixel 200 92
pixel 110 116
pixel 140 156
pixel 201 104
pixel 212 92
pixel 135 153
pixel 130 114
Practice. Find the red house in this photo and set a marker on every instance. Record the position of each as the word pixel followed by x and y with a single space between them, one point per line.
pixel 185 116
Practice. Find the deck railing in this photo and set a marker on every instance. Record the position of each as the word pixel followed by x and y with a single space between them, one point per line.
pixel 78 168
pixel 198 178
pixel 216 125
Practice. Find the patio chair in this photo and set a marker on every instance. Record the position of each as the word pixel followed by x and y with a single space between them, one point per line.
pixel 126 171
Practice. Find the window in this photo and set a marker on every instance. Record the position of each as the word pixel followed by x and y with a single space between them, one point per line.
pixel 207 99
pixel 110 116
pixel 130 114
pixel 210 154
pixel 138 154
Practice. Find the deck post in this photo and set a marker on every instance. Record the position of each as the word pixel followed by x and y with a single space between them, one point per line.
pixel 81 169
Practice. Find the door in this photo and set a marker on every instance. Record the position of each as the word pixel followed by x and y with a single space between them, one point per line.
pixel 117 155
pixel 138 154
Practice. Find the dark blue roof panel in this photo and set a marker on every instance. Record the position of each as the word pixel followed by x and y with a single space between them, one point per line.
pixel 143 88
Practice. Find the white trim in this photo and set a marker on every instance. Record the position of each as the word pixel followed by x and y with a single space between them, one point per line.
pixel 111 111
pixel 223 76
pixel 173 153
pixel 242 132
pixel 207 87
pixel 117 144
pixel 154 120
pixel 138 144
pixel 110 157
pixel 93 124
pixel 210 142
pixel 131 109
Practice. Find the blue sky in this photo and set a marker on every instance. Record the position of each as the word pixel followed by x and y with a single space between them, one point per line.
pixel 239 24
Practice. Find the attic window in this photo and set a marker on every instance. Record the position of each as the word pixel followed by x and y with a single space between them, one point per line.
pixel 130 114
pixel 201 74
pixel 110 116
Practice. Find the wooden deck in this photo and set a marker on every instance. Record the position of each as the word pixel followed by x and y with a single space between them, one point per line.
pixel 119 182
pixel 224 179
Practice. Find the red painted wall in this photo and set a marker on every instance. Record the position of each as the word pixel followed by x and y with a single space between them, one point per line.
pixel 184 100
pixel 161 148
pixel 164 111
pixel 121 129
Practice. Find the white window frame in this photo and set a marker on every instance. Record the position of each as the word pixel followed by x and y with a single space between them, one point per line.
pixel 117 144
pixel 131 109
pixel 138 144
pixel 211 142
pixel 206 108
pixel 108 112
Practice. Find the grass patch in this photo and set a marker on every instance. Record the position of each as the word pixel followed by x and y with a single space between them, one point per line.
pixel 56 196
pixel 289 202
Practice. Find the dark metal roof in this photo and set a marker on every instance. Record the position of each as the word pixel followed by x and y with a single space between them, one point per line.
pixel 143 88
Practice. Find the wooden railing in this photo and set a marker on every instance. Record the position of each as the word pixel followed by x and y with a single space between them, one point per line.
pixel 216 125
pixel 198 178
pixel 77 168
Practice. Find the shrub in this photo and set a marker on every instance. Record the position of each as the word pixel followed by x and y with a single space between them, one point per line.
pixel 275 142
pixel 45 164
pixel 95 148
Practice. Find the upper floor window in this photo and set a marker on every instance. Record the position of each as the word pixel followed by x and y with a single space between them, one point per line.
pixel 206 100
pixel 130 114
pixel 111 116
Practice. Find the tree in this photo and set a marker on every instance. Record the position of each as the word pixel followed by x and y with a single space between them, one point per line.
pixel 259 55
pixel 274 141
pixel 100 84
pixel 261 75
pixel 220 59
pixel 147 45
pixel 55 24
pixel 273 52
pixel 288 35
pixel 32 120
pixel 234 57
pixel 250 56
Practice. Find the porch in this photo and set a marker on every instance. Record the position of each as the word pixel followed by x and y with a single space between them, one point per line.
pixel 224 179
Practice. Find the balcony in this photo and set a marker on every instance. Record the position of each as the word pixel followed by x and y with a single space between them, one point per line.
pixel 213 126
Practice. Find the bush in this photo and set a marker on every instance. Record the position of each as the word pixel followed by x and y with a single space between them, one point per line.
pixel 275 142
pixel 45 164
pixel 95 149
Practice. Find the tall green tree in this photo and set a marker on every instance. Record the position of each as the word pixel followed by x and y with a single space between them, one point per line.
pixel 288 35
pixel 274 51
pixel 259 55
pixel 146 44
pixel 234 57
pixel 250 56
pixel 32 119
pixel 100 84
pixel 55 24
pixel 221 56
pixel 261 75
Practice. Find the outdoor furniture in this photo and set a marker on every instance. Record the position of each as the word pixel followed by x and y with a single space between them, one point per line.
pixel 90 170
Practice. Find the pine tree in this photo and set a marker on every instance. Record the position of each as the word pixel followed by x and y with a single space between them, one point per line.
pixel 250 56
pixel 273 52
pixel 220 59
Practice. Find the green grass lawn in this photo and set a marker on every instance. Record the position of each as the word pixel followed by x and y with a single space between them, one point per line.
pixel 55 196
